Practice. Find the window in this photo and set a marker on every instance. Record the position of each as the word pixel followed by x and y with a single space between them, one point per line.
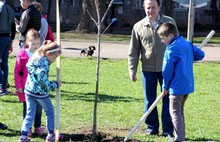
pixel 76 3
pixel 177 5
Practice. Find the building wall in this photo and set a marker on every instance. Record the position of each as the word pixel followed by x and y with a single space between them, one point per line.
pixel 128 12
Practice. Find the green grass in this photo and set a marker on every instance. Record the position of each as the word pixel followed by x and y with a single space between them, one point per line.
pixel 119 38
pixel 213 40
pixel 93 36
pixel 120 102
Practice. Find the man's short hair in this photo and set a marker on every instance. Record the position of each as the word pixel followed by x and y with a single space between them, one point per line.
pixel 158 2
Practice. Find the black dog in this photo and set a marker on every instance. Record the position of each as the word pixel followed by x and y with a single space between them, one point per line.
pixel 87 51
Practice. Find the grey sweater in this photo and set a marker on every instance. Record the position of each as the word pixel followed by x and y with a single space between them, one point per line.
pixel 146 45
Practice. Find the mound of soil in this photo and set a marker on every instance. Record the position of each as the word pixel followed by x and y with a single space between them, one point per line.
pixel 101 137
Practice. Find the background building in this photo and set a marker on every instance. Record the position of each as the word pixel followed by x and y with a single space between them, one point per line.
pixel 129 12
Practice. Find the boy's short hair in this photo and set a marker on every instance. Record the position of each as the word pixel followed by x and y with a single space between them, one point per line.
pixel 167 28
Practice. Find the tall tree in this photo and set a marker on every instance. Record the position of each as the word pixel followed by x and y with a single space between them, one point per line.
pixel 167 7
pixel 98 23
pixel 49 9
pixel 86 24
pixel 214 13
pixel 11 3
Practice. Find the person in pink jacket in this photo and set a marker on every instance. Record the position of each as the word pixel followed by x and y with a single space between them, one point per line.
pixel 21 73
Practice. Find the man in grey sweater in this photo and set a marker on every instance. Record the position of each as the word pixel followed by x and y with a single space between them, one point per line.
pixel 146 45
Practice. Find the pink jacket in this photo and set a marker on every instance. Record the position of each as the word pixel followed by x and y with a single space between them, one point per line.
pixel 21 72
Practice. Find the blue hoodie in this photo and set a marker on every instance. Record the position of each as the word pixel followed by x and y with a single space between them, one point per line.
pixel 178 66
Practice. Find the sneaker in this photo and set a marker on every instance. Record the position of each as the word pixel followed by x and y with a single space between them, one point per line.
pixel 24 139
pixel 4 92
pixel 3 126
pixel 40 131
pixel 29 133
pixel 51 137
pixel 8 85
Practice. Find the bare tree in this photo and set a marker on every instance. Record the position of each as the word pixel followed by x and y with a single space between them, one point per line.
pixel 49 9
pixel 214 13
pixel 167 7
pixel 86 24
pixel 98 24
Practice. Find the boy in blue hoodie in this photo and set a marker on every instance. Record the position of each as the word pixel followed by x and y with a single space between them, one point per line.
pixel 178 73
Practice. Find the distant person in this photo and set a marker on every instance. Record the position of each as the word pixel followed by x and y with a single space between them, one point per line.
pixel 178 74
pixel 37 88
pixel 30 18
pixel 145 45
pixel 20 77
pixel 7 34
pixel 44 24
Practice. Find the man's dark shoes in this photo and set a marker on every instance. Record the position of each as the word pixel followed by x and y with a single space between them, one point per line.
pixel 153 133
pixel 168 135
pixel 3 126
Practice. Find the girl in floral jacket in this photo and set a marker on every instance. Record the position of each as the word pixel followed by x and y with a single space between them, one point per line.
pixel 37 88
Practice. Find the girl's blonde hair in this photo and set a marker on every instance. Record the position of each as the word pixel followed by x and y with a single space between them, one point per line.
pixel 32 34
pixel 38 6
pixel 48 46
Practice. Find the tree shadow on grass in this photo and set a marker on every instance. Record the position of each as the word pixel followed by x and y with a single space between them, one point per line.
pixel 10 133
pixel 64 82
pixel 101 98
pixel 10 101
pixel 72 48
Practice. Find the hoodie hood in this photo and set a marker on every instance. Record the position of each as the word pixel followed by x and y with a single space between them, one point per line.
pixel 179 45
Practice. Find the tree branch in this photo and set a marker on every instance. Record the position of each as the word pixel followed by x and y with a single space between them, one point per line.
pixel 97 5
pixel 92 18
pixel 110 4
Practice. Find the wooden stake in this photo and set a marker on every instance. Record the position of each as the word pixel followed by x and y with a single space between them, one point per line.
pixel 57 123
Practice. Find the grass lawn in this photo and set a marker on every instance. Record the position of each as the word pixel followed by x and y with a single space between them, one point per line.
pixel 120 102
pixel 121 38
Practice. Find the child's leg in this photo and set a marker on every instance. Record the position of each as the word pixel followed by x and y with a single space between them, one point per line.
pixel 49 110
pixel 38 129
pixel 24 109
pixel 38 115
pixel 30 113
pixel 177 115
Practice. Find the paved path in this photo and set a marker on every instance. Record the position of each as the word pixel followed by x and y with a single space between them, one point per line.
pixel 115 50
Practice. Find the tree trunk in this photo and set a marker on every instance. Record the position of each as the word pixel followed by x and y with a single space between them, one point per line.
pixel 48 10
pixel 86 24
pixel 167 8
pixel 214 14
pixel 94 129
pixel 10 3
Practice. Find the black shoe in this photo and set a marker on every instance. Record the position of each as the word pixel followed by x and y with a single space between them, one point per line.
pixel 8 85
pixel 168 135
pixel 3 126
pixel 4 92
pixel 153 133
